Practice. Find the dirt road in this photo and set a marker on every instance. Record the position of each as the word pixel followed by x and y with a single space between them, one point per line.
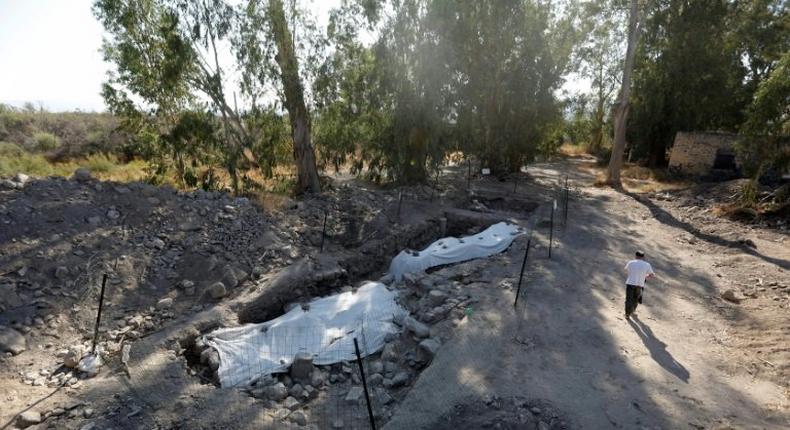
pixel 685 362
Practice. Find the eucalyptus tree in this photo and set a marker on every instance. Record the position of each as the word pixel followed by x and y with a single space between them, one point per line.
pixel 599 58
pixel 166 55
pixel 636 18
pixel 172 55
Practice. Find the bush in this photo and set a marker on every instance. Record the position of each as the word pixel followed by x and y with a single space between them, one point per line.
pixel 43 141
pixel 31 164
pixel 99 163
pixel 8 149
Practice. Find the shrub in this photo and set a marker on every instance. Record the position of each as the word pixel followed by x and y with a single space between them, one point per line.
pixel 43 141
pixel 99 163
pixel 8 149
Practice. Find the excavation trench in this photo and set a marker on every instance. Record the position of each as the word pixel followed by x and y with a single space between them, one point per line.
pixel 330 273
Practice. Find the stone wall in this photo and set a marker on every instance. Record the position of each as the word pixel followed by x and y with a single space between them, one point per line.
pixel 695 153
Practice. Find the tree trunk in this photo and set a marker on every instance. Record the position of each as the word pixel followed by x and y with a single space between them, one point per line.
pixel 304 155
pixel 623 106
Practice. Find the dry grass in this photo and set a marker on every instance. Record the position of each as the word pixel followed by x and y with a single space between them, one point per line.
pixel 570 150
pixel 105 167
pixel 638 179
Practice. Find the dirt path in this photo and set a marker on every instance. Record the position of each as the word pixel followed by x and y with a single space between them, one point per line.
pixel 677 366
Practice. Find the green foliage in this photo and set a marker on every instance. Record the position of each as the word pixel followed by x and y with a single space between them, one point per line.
pixel 765 136
pixel 688 76
pixel 43 141
pixel 479 77
pixel 71 134
pixel 8 149
pixel 747 195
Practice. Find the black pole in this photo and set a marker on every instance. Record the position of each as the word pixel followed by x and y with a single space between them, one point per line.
pixel 515 185
pixel 364 385
pixel 400 201
pixel 567 194
pixel 521 275
pixel 98 315
pixel 469 173
pixel 551 226
pixel 323 233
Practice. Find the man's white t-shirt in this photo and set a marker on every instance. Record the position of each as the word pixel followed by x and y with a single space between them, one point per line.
pixel 637 272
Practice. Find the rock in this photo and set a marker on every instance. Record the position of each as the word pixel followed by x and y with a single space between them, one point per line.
pixel 217 290
pixel 375 379
pixel 282 413
pixel 87 412
pixel 543 426
pixel 296 390
pixel 82 175
pixel 317 378
pixel 28 418
pixel 375 367
pixel 298 417
pixel 61 272
pixel 291 403
pixel 277 392
pixel 389 353
pixel 213 359
pixel 429 347
pixel 436 297
pixel 94 220
pixel 12 341
pixel 383 396
pixel 21 178
pixel 354 394
pixel 113 214
pixel 419 329
pixel 302 368
pixel 165 303
pixel 400 379
pixel 89 426
pixel 157 243
pixel 387 279
pixel 73 356
pixel 731 296
pixel 337 424
pixel 229 276
pixel 535 410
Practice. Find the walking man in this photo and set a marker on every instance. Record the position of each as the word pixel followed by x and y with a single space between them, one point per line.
pixel 638 271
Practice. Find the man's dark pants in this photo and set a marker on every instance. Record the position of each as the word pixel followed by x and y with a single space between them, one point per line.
pixel 633 296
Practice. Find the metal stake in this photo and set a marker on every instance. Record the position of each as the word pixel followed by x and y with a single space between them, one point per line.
pixel 98 315
pixel 567 195
pixel 364 385
pixel 400 201
pixel 521 275
pixel 551 231
pixel 469 173
pixel 323 233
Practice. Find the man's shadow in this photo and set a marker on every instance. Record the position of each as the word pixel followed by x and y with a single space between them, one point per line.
pixel 658 350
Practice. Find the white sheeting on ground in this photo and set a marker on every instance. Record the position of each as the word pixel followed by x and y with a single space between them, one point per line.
pixel 449 250
pixel 325 330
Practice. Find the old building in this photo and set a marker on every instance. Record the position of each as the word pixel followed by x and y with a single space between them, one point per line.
pixel 704 154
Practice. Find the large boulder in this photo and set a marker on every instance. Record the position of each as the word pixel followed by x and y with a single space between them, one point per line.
pixel 12 341
pixel 82 174
pixel 302 367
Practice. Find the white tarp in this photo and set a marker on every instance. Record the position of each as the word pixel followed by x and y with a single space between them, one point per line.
pixel 449 250
pixel 325 330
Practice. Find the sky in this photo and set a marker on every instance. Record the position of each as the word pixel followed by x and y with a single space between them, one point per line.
pixel 50 53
